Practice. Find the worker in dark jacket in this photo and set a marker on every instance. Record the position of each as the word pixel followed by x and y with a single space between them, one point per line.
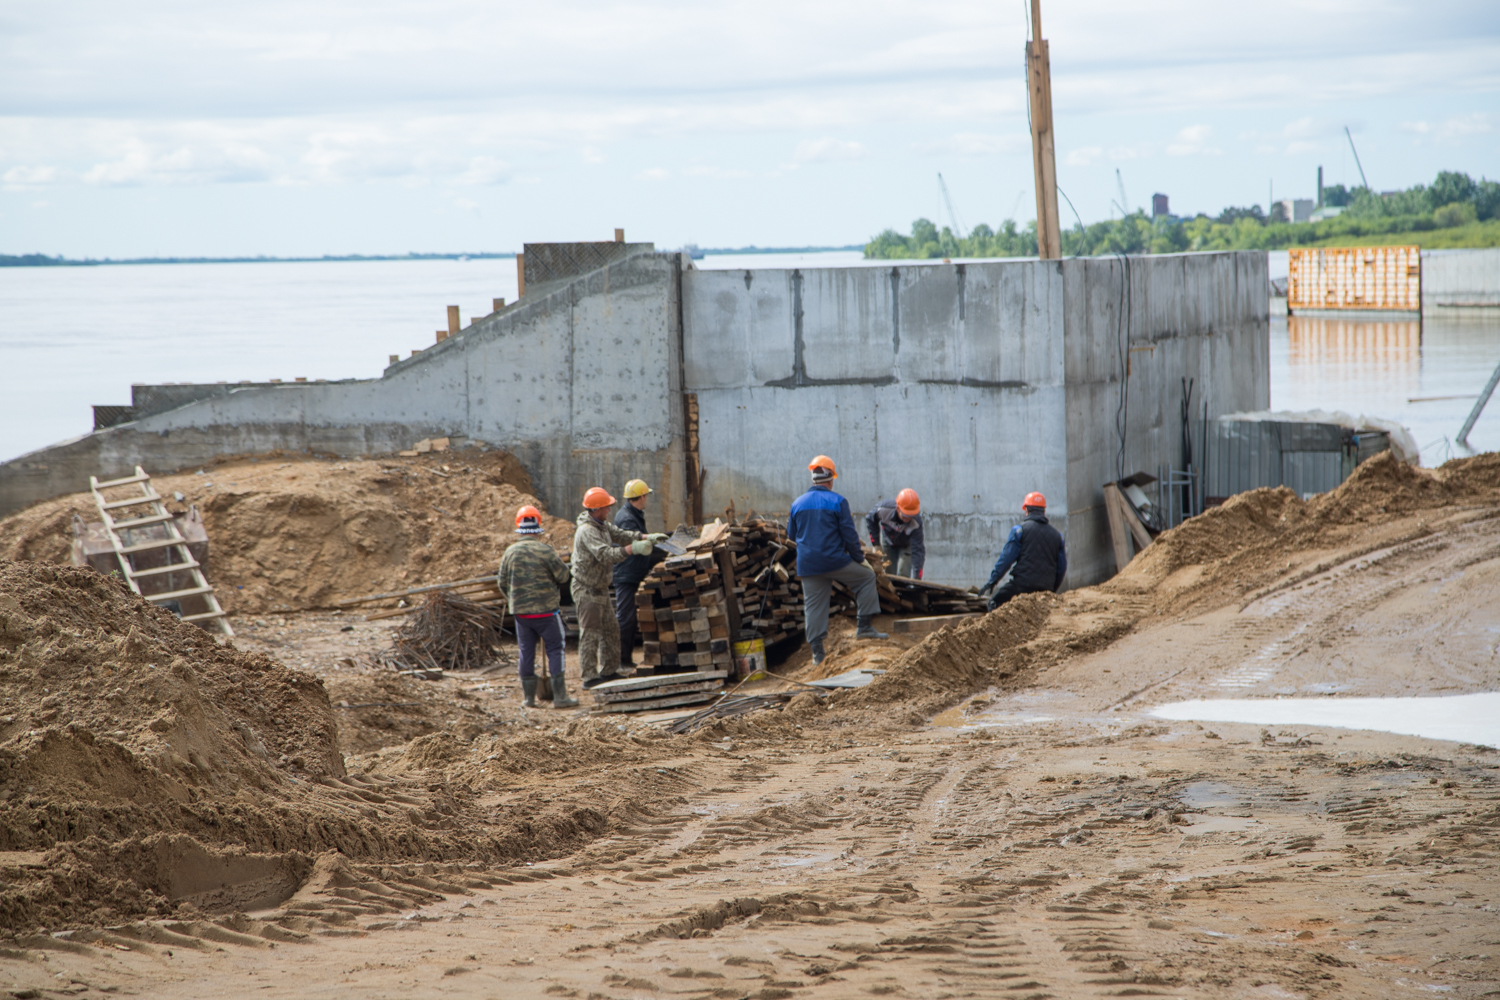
pixel 829 551
pixel 1034 554
pixel 628 575
pixel 896 526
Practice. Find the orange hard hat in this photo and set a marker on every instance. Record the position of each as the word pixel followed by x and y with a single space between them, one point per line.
pixel 1034 499
pixel 596 497
pixel 823 462
pixel 908 503
pixel 529 520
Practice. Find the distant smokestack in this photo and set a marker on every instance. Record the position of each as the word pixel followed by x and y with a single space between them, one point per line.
pixel 1320 187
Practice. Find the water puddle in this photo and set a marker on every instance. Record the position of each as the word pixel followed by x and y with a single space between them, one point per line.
pixel 1462 718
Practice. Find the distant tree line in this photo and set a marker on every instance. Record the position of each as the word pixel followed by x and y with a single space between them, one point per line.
pixel 1455 210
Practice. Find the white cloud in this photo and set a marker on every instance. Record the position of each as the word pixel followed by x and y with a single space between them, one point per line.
pixel 1193 141
pixel 1452 129
pixel 653 174
pixel 828 150
pixel 977 144
pixel 715 173
pixel 484 170
pixel 23 177
pixel 1084 156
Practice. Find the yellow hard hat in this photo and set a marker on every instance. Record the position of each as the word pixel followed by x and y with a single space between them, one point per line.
pixel 636 488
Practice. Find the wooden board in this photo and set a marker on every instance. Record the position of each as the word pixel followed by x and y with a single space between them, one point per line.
pixel 662 691
pixel 647 704
pixel 930 624
pixel 643 683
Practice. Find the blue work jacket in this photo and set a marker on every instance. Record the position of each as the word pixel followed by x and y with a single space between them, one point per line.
pixel 823 529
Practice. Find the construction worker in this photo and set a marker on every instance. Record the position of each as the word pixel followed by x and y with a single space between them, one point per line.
pixel 530 577
pixel 896 526
pixel 629 574
pixel 828 550
pixel 598 547
pixel 1034 554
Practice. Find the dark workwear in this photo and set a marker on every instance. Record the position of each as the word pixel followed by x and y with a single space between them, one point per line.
pixel 634 569
pixel 1036 557
pixel 886 528
pixel 823 528
pixel 630 626
pixel 548 629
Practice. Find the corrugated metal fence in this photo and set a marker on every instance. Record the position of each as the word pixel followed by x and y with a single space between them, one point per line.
pixel 1307 458
pixel 1355 278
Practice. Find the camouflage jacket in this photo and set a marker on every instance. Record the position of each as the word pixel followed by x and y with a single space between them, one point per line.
pixel 597 546
pixel 530 577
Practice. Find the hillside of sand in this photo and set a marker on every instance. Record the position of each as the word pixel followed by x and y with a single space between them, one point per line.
pixel 292 531
pixel 998 814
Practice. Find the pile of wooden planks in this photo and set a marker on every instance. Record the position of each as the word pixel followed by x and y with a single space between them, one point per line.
pixel 682 607
pixel 768 594
pixel 653 693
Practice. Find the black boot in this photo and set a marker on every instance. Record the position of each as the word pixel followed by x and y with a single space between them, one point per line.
pixel 817 650
pixel 528 692
pixel 865 630
pixel 560 697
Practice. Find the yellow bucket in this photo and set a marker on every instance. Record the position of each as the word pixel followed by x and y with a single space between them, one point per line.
pixel 750 658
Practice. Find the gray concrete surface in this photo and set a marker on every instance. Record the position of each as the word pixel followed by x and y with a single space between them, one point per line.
pixel 973 383
pixel 1454 280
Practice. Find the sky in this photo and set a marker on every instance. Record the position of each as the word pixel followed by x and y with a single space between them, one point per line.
pixel 168 127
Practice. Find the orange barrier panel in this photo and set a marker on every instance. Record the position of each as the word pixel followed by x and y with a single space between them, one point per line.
pixel 1355 278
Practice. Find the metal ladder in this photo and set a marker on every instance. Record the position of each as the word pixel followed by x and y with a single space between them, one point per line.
pixel 159 517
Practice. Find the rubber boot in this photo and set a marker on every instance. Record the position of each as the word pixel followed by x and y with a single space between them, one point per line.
pixel 560 697
pixel 528 692
pixel 867 631
pixel 817 650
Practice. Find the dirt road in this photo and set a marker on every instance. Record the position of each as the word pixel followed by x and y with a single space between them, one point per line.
pixel 1022 826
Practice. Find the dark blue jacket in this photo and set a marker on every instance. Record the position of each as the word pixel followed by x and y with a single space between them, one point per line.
pixel 823 529
pixel 1037 552
pixel 633 570
pixel 884 526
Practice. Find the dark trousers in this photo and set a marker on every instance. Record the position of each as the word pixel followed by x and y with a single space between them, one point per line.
pixel 625 615
pixel 1010 588
pixel 550 631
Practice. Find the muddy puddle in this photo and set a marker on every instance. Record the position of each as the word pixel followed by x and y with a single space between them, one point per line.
pixel 1462 718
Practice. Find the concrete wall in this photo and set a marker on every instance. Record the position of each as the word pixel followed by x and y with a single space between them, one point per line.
pixel 971 383
pixel 1203 316
pixel 581 383
pixel 947 379
pixel 1460 279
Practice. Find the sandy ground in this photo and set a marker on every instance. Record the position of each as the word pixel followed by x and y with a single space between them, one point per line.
pixel 1046 836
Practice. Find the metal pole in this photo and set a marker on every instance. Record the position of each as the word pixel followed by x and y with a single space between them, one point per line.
pixel 1484 397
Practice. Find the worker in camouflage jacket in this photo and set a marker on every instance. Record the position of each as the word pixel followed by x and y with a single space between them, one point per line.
pixel 597 547
pixel 531 577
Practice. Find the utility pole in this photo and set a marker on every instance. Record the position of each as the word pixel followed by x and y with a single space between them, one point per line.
pixel 1043 145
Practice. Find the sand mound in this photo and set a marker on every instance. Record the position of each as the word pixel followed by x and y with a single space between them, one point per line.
pixel 290 532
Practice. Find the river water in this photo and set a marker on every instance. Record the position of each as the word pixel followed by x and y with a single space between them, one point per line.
pixel 75 336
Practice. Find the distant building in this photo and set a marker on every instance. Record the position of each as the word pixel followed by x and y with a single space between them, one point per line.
pixel 1159 206
pixel 1326 212
pixel 1292 210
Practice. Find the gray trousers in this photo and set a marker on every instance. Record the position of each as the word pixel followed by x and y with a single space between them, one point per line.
pixel 816 591
pixel 897 560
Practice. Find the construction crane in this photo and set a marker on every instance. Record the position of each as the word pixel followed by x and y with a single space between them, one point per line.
pixel 1120 186
pixel 958 229
pixel 1356 158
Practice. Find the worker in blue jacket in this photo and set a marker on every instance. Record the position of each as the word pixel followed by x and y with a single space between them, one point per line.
pixel 828 550
pixel 1034 554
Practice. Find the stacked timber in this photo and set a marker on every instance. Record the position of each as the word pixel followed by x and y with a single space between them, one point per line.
pixel 768 594
pixel 682 608
pixel 653 693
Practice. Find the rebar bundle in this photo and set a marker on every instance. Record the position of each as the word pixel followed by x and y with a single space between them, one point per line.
pixel 448 633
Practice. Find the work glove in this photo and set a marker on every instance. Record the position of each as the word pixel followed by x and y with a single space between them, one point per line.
pixel 642 547
pixel 657 536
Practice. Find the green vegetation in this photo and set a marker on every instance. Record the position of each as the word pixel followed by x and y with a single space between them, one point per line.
pixel 1455 211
